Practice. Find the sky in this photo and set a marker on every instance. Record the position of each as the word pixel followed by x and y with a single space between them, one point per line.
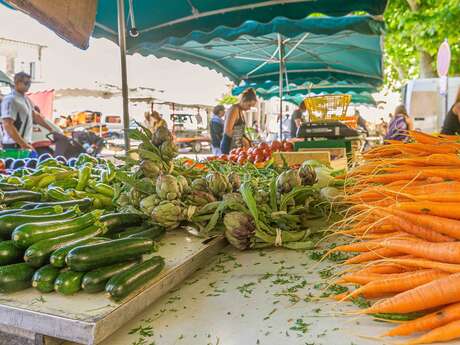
pixel 67 66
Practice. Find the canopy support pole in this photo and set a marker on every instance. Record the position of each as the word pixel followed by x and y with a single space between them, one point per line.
pixel 124 73
pixel 281 79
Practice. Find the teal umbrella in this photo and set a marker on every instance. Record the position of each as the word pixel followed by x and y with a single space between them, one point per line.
pixel 356 98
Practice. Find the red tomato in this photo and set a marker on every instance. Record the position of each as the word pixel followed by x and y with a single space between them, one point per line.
pixel 250 151
pixel 288 147
pixel 276 146
pixel 251 158
pixel 242 160
pixel 223 157
pixel 259 158
pixel 267 153
pixel 262 146
pixel 233 158
pixel 243 154
pixel 233 151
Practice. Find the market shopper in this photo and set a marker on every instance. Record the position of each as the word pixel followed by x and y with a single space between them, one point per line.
pixel 235 125
pixel 296 119
pixel 157 120
pixel 399 125
pixel 18 114
pixel 451 124
pixel 216 128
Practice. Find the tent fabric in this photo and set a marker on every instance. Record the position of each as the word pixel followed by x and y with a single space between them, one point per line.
pixel 4 79
pixel 44 100
pixel 73 20
pixel 356 99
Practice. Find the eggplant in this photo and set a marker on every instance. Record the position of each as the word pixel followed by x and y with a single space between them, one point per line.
pixel 9 163
pixel 31 163
pixel 61 159
pixel 44 156
pixel 71 162
pixel 18 163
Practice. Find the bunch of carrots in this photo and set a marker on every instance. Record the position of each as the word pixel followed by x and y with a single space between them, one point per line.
pixel 404 224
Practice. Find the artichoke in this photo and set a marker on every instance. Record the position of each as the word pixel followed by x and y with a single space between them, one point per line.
pixel 199 184
pixel 198 198
pixel 262 197
pixel 239 229
pixel 168 215
pixel 307 174
pixel 167 187
pixel 233 197
pixel 218 184
pixel 161 135
pixel 183 184
pixel 150 169
pixel 123 200
pixel 168 150
pixel 235 181
pixel 135 197
pixel 149 203
pixel 287 181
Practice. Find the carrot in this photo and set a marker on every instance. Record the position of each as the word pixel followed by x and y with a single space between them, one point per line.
pixel 372 255
pixel 427 322
pixel 439 292
pixel 424 263
pixel 399 283
pixel 449 227
pixel 447 332
pixel 385 268
pixel 442 197
pixel 366 277
pixel 425 138
pixel 354 247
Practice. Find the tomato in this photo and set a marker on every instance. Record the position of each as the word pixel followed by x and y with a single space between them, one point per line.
pixel 288 146
pixel 233 151
pixel 259 158
pixel 267 153
pixel 275 146
pixel 233 158
pixel 243 154
pixel 252 158
pixel 242 160
pixel 223 157
pixel 250 151
pixel 262 146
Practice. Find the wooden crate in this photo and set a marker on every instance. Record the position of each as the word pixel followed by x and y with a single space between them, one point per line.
pixel 293 158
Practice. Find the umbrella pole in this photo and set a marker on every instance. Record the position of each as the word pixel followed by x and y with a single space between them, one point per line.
pixel 281 55
pixel 124 74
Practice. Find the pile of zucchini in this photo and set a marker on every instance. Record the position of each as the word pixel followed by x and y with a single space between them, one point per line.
pixel 56 247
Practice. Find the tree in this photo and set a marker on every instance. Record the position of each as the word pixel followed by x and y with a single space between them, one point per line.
pixel 415 30
pixel 228 99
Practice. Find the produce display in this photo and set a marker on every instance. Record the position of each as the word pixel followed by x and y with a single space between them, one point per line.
pixel 406 227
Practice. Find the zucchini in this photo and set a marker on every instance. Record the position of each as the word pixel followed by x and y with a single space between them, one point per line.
pixel 43 279
pixel 28 234
pixel 10 222
pixel 20 195
pixel 10 211
pixel 117 222
pixel 38 253
pixel 68 282
pixel 43 211
pixel 15 277
pixel 95 280
pixel 9 253
pixel 129 231
pixel 82 203
pixel 57 258
pixel 89 257
pixel 153 233
pixel 132 279
pixel 8 187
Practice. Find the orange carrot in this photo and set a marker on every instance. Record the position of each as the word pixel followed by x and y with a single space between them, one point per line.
pixel 372 255
pixel 386 268
pixel 400 283
pixel 427 322
pixel 441 209
pixel 424 263
pixel 444 333
pixel 439 292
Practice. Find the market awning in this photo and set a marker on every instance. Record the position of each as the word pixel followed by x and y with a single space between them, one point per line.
pixel 44 100
pixel 157 20
pixel 4 79
pixel 356 98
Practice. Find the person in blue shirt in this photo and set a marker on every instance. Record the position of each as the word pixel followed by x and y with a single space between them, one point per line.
pixel 217 129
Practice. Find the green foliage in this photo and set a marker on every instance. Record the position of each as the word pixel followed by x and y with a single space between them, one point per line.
pixel 228 100
pixel 415 26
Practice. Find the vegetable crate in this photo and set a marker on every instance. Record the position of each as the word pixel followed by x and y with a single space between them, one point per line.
pixel 328 107
pixel 14 153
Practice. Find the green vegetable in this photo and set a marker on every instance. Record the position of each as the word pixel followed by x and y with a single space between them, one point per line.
pixel 19 195
pixel 10 222
pixel 57 258
pixel 168 215
pixel 287 181
pixel 28 234
pixel 45 181
pixel 134 278
pixel 95 280
pixel 42 211
pixel 15 277
pixel 81 203
pixel 117 222
pixel 39 252
pixel 104 189
pixel 84 158
pixel 68 282
pixel 154 233
pixel 218 184
pixel 9 253
pixel 167 187
pixel 92 256
pixel 13 184
pixel 129 231
pixel 44 278
pixel 84 173
pixel 58 194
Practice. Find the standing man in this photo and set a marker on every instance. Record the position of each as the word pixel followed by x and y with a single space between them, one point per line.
pixel 217 129
pixel 296 119
pixel 18 116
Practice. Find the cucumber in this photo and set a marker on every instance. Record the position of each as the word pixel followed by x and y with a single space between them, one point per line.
pixel 8 186
pixel 129 231
pixel 43 211
pixel 82 203
pixel 38 253
pixel 57 258
pixel 9 253
pixel 27 234
pixel 123 284
pixel 117 222
pixel 10 222
pixel 95 280
pixel 68 282
pixel 153 233
pixel 89 257
pixel 15 277
pixel 43 279
pixel 20 195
